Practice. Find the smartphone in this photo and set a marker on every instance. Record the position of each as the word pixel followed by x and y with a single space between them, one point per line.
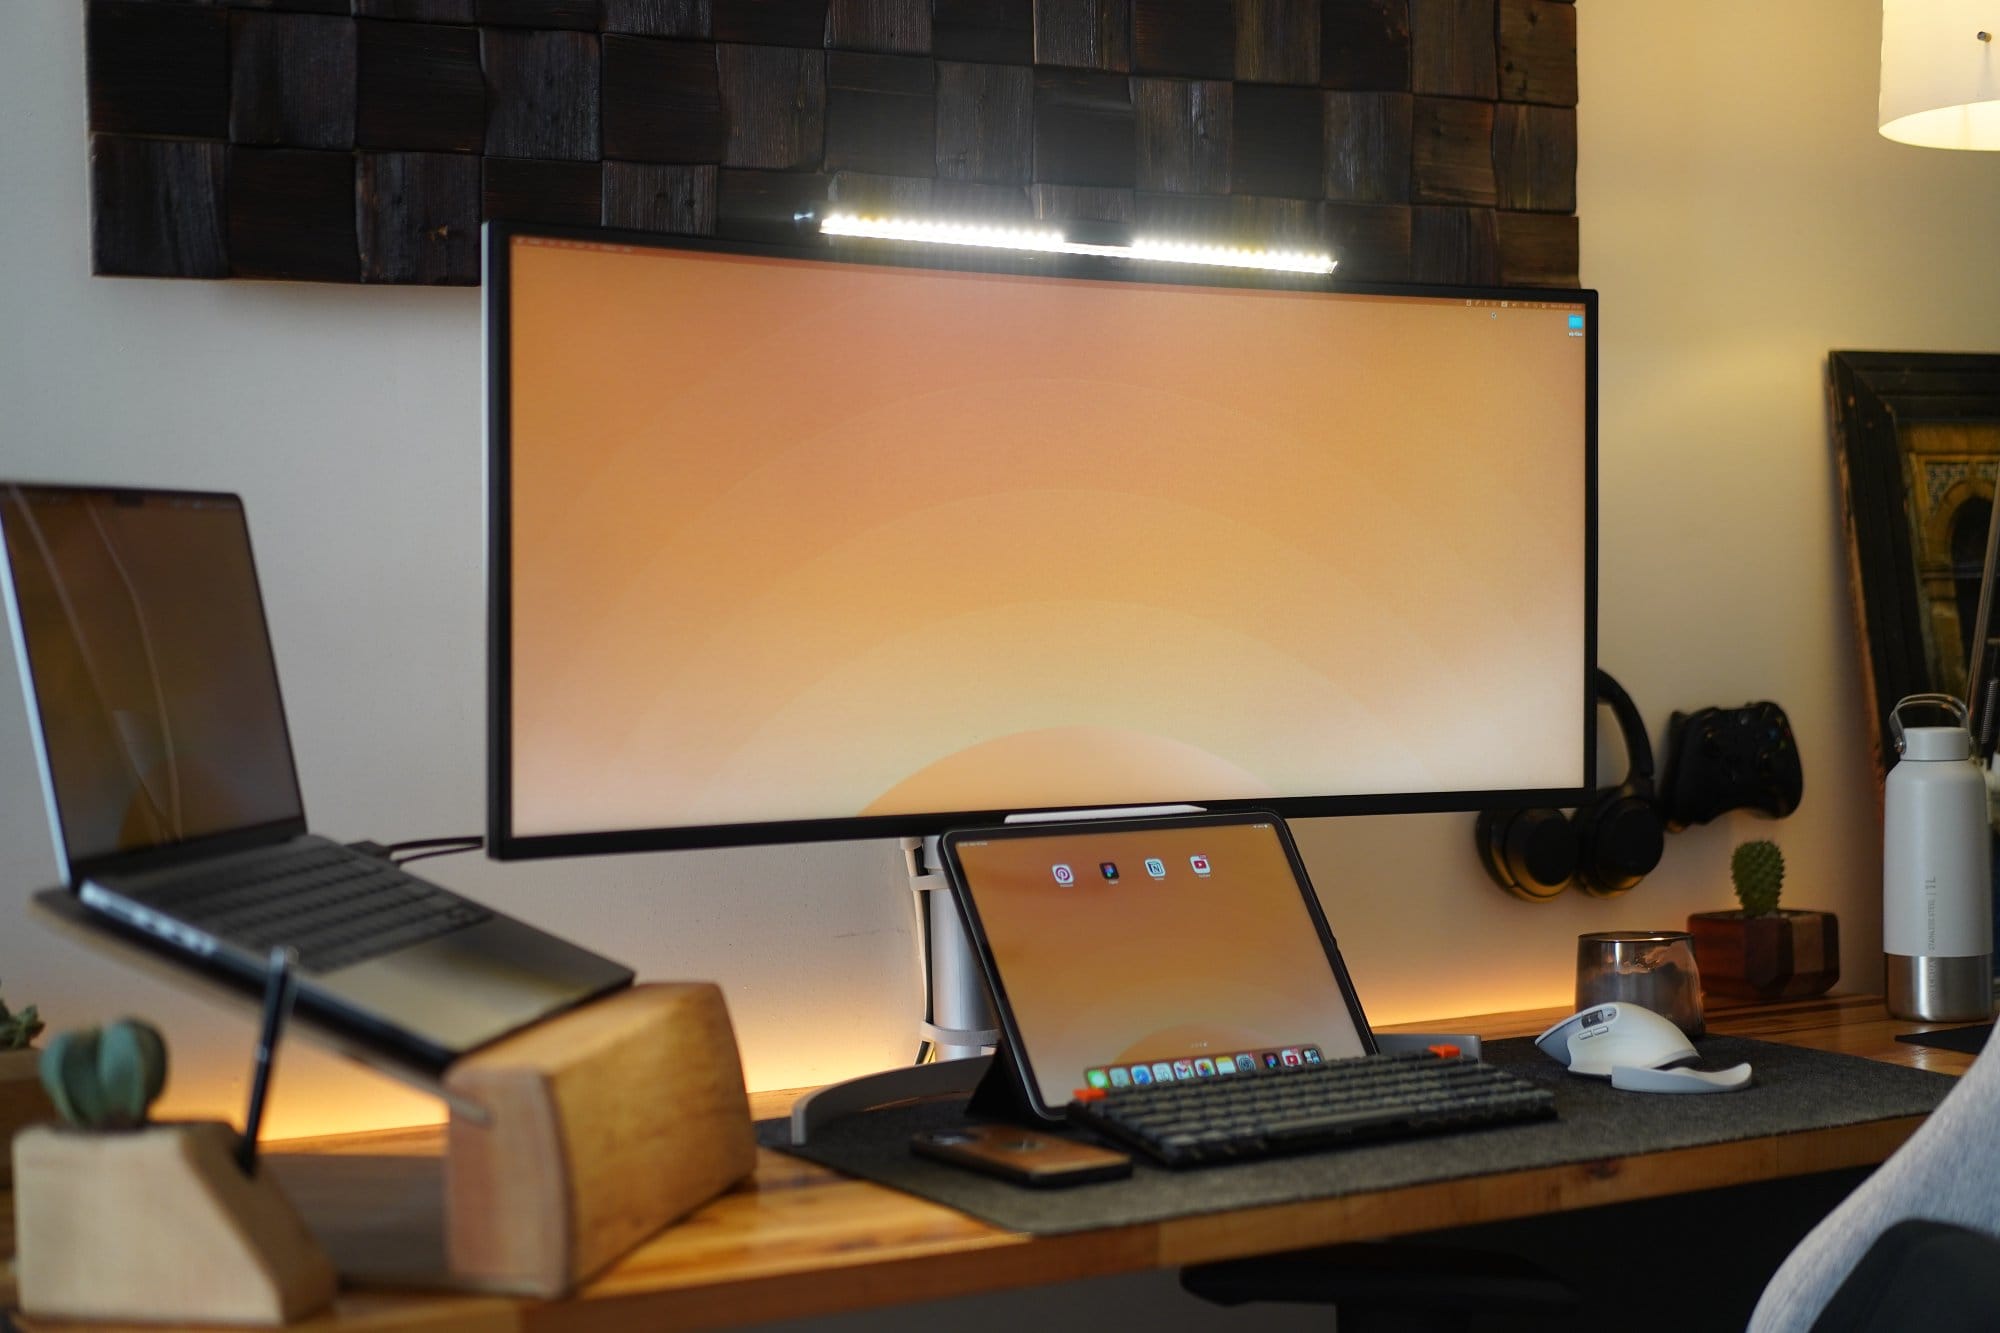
pixel 1024 1156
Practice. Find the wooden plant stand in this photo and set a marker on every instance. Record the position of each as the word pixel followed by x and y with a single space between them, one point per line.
pixel 158 1225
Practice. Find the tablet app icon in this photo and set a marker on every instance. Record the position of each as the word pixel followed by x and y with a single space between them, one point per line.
pixel 1109 869
pixel 1163 1072
pixel 1290 1055
pixel 1156 867
pixel 1246 1063
pixel 1183 1069
pixel 1142 1075
pixel 1121 1077
pixel 1204 1067
pixel 1097 1078
pixel 1064 875
pixel 1199 864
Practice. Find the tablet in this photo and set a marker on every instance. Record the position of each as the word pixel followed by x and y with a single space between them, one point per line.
pixel 1140 951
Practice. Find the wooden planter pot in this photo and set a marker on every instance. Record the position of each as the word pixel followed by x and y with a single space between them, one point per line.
pixel 158 1225
pixel 22 1102
pixel 1784 956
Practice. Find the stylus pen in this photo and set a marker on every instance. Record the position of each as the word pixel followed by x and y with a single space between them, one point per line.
pixel 278 987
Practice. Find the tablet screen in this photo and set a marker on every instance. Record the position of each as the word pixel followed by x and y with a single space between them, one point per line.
pixel 1141 952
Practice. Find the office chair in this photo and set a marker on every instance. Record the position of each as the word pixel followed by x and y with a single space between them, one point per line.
pixel 1928 1275
pixel 1949 1173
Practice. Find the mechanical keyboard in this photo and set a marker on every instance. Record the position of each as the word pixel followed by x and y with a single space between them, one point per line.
pixel 1222 1119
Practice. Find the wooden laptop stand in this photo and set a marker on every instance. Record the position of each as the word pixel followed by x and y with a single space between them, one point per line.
pixel 569 1143
pixel 603 1125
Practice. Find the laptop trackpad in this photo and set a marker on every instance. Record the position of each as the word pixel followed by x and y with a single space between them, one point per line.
pixel 467 988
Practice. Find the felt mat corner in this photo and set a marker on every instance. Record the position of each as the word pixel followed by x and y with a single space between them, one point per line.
pixel 1795 1089
pixel 1967 1040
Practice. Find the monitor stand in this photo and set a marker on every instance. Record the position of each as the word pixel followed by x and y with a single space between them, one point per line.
pixel 958 1019
pixel 959 1030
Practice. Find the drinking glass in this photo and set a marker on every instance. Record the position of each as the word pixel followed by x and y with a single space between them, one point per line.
pixel 1651 968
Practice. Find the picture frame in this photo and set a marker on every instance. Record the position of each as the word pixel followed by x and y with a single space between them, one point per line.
pixel 1918 441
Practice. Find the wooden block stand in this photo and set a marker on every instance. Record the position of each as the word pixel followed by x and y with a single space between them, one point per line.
pixel 602 1126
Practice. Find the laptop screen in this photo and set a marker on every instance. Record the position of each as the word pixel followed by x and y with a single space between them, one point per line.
pixel 148 666
pixel 1154 951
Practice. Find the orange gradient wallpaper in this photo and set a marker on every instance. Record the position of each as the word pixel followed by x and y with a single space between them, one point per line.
pixel 798 539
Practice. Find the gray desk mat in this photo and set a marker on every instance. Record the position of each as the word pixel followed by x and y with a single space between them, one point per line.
pixel 1795 1089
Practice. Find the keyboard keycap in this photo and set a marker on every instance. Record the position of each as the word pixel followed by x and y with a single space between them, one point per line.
pixel 336 907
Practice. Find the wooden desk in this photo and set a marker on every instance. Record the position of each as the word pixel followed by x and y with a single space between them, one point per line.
pixel 798 1239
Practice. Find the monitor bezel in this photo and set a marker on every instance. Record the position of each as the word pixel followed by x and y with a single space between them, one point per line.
pixel 504 844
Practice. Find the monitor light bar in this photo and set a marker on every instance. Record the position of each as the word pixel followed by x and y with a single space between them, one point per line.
pixel 1051 241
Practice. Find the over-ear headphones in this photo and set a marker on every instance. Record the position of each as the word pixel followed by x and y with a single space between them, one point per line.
pixel 1612 841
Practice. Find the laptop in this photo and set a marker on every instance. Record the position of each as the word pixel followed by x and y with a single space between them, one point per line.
pixel 1171 982
pixel 167 768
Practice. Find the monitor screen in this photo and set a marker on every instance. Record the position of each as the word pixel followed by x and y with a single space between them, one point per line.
pixel 792 545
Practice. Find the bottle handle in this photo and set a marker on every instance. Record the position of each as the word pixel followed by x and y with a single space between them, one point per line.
pixel 1951 703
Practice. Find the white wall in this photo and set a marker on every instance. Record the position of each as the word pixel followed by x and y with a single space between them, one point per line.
pixel 1740 216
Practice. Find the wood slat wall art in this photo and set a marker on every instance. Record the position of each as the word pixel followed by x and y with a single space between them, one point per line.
pixel 365 140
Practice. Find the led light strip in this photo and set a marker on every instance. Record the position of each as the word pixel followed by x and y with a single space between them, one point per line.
pixel 1048 240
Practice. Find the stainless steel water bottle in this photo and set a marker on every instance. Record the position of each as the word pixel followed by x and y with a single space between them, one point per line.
pixel 1937 868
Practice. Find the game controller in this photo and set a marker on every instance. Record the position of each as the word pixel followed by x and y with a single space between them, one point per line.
pixel 1722 759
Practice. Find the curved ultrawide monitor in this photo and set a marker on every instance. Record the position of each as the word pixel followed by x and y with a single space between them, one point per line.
pixel 794 545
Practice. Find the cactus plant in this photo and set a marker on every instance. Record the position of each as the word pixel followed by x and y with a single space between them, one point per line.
pixel 1762 951
pixel 18 1029
pixel 105 1078
pixel 1758 868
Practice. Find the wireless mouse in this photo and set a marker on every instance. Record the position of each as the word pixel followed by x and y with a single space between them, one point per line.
pixel 1637 1049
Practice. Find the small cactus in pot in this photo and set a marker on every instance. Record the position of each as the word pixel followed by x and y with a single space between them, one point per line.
pixel 19 1029
pixel 105 1078
pixel 1763 951
pixel 21 1102
pixel 127 1220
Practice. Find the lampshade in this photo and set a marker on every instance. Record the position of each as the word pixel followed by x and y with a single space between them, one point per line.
pixel 1939 86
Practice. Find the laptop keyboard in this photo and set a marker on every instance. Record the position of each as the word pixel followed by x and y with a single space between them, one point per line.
pixel 1342 1101
pixel 334 906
